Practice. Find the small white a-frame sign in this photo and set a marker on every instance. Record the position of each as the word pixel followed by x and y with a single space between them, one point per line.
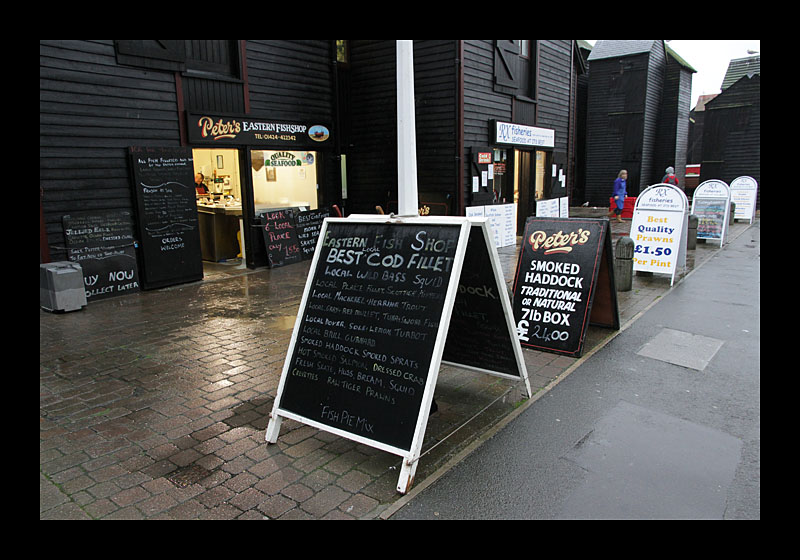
pixel 376 316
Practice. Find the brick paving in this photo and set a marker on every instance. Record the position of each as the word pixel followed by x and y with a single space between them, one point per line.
pixel 155 405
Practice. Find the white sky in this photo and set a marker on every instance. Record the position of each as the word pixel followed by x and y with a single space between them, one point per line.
pixel 710 57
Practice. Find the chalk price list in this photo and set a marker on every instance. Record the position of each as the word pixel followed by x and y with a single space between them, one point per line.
pixel 370 323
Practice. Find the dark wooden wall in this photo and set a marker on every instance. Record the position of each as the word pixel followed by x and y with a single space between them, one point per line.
pixel 622 124
pixel 90 110
pixel 371 143
pixel 672 137
pixel 99 97
pixel 732 133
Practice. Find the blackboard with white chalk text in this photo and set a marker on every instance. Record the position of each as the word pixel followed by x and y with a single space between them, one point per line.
pixel 564 281
pixel 166 211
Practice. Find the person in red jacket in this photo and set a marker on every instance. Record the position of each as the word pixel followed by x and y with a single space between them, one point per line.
pixel 670 177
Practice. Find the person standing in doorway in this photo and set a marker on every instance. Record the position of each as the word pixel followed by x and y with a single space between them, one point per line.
pixel 619 194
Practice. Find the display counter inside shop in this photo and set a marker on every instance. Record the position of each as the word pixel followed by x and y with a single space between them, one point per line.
pixel 219 224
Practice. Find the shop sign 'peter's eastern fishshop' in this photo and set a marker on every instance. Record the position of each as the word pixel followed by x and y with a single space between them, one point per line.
pixel 242 130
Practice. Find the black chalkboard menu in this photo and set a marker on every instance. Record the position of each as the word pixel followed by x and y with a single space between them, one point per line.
pixel 364 350
pixel 280 238
pixel 482 332
pixel 166 212
pixel 103 244
pixel 309 224
pixel 564 281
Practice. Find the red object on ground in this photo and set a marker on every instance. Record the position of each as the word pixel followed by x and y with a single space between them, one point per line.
pixel 627 210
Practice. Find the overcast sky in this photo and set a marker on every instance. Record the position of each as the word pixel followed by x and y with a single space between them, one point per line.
pixel 710 57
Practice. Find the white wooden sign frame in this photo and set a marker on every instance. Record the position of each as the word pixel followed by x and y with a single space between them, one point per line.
pixel 410 456
pixel 508 312
pixel 743 192
pixel 670 204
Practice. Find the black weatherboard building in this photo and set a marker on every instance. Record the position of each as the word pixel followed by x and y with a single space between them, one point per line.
pixel 271 125
pixel 731 134
pixel 637 115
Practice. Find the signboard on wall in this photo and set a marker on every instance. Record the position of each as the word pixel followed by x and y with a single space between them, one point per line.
pixel 522 135
pixel 204 128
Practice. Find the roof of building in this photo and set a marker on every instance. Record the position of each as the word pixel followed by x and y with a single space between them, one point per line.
pixel 617 48
pixel 702 100
pixel 739 67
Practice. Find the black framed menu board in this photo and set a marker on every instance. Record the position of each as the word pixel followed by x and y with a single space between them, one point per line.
pixel 166 211
pixel 564 282
pixel 366 348
pixel 102 242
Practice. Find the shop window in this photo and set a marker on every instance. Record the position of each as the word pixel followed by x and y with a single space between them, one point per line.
pixel 220 172
pixel 284 179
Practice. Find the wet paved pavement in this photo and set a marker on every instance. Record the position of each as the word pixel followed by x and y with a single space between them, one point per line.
pixel 155 405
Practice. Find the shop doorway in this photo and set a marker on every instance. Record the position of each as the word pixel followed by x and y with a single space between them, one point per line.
pixel 278 180
pixel 529 183
pixel 218 189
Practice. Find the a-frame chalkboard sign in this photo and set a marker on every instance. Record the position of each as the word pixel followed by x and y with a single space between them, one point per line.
pixel 373 324
pixel 166 210
pixel 564 282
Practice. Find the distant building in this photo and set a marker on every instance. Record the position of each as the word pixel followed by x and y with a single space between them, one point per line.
pixel 637 115
pixel 732 125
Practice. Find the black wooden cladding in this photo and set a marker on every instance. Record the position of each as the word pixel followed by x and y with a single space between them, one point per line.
pixel 372 140
pixel 673 125
pixel 732 134
pixel 97 98
pixel 90 110
pixel 291 80
pixel 623 106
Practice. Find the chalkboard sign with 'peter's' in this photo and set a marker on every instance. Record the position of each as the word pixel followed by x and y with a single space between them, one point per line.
pixel 167 216
pixel 564 281
pixel 372 313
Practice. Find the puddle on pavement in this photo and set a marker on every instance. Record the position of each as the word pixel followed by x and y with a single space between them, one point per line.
pixel 284 322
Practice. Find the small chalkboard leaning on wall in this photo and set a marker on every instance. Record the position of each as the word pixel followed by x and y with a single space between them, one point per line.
pixel 367 344
pixel 103 244
pixel 166 211
pixel 308 224
pixel 280 238
pixel 564 282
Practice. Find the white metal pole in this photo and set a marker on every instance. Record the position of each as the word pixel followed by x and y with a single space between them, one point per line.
pixel 407 203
